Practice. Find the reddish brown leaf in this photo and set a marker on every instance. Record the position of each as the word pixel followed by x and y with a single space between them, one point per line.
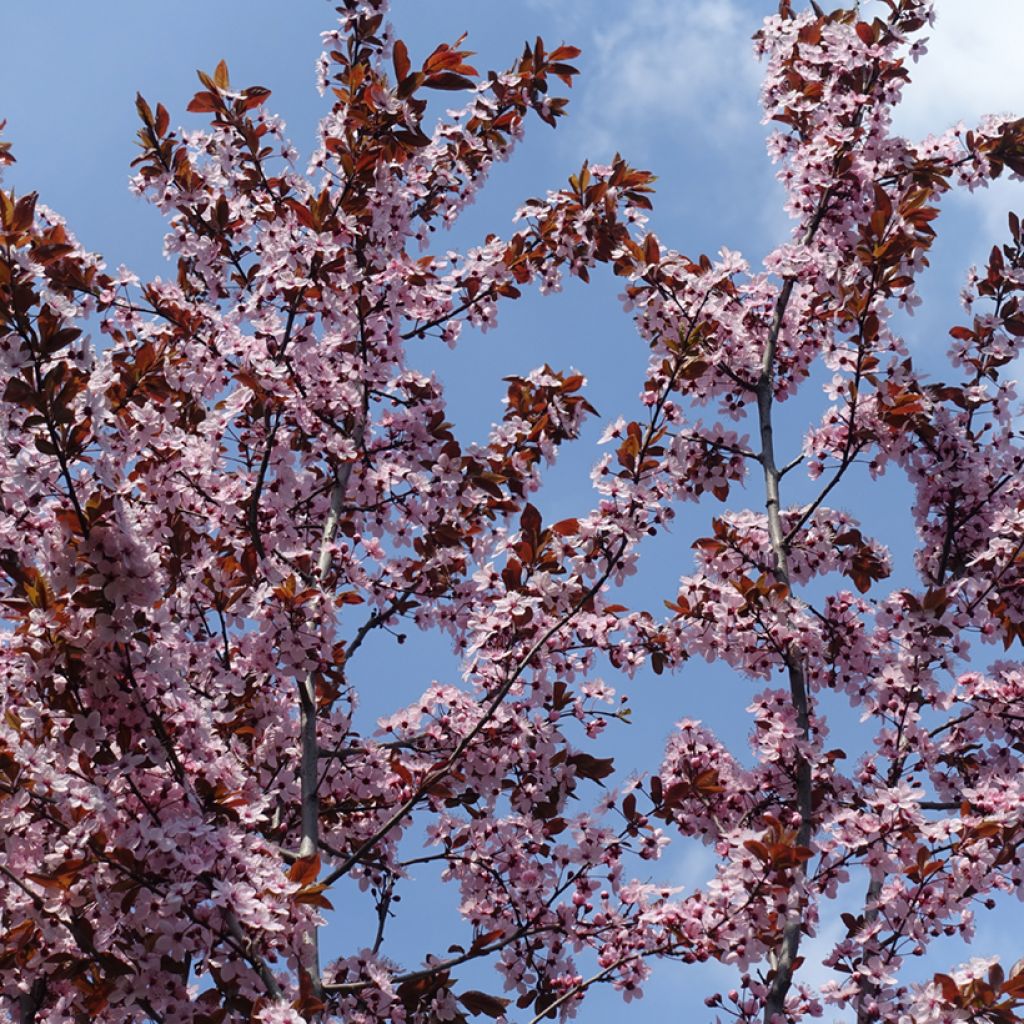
pixel 400 56
pixel 566 527
pixel 479 1003
pixel 203 102
pixel 448 80
pixel 305 871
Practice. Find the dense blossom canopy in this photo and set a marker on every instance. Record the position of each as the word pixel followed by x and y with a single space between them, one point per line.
pixel 208 510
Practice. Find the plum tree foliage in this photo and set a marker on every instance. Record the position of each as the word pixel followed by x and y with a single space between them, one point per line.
pixel 207 512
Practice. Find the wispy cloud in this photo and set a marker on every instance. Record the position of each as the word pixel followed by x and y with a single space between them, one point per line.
pixel 692 864
pixel 972 67
pixel 682 69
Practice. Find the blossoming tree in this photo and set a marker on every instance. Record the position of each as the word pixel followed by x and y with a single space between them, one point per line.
pixel 206 514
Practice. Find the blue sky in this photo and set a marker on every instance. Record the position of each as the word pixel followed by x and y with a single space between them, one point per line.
pixel 672 85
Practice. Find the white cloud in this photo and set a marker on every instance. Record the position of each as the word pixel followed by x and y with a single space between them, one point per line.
pixel 972 67
pixel 681 67
pixel 985 213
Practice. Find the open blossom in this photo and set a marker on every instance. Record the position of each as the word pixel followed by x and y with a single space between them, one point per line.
pixel 280 1013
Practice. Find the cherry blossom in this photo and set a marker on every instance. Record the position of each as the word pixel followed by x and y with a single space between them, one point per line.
pixel 212 511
